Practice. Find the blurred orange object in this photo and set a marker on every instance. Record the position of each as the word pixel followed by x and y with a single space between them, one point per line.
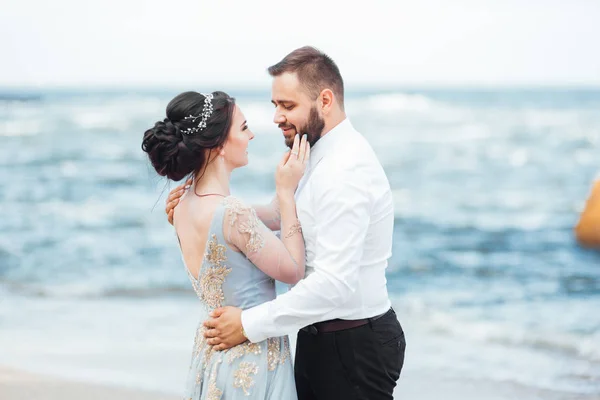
pixel 587 230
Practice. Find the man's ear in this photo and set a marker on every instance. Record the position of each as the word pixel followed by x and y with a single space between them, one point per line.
pixel 326 100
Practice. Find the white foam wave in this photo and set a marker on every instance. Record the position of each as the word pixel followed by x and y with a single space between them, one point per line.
pixel 120 114
pixel 465 132
pixel 87 290
pixel 498 332
pixel 399 102
pixel 20 127
pixel 98 120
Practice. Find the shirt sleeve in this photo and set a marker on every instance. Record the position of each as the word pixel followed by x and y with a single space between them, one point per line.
pixel 247 233
pixel 342 210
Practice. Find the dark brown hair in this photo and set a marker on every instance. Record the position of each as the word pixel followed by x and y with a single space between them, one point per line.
pixel 175 154
pixel 315 70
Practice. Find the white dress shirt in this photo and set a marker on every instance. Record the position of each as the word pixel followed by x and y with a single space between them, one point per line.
pixel 344 204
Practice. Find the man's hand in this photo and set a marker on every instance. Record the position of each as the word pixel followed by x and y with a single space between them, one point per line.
pixel 224 329
pixel 173 199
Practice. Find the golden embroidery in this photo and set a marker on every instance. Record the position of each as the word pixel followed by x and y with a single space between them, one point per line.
pixel 202 348
pixel 214 393
pixel 293 229
pixel 208 353
pixel 242 378
pixel 235 208
pixel 215 252
pixel 199 340
pixel 211 285
pixel 255 241
pixel 276 355
pixel 242 349
pixel 286 350
pixel 273 352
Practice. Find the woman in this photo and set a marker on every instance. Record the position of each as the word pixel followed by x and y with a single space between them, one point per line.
pixel 230 255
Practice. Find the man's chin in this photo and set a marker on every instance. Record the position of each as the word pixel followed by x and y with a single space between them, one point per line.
pixel 289 141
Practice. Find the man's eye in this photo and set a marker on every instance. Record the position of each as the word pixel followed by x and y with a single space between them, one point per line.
pixel 245 127
pixel 289 108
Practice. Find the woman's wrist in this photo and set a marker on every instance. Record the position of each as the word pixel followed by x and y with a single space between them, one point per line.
pixel 285 197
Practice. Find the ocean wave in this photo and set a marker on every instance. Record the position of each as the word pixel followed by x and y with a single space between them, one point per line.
pixel 118 114
pixel 420 315
pixel 399 102
pixel 10 128
pixel 11 98
pixel 86 291
pixel 425 214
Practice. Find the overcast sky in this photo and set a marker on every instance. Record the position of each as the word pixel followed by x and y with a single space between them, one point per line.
pixel 181 42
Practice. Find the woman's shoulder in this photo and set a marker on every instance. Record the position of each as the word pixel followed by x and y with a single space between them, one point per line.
pixel 242 225
pixel 232 202
pixel 236 209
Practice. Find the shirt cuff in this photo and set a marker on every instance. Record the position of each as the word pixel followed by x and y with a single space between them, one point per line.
pixel 254 323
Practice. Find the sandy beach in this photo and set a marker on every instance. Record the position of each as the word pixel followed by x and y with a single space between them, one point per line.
pixel 20 385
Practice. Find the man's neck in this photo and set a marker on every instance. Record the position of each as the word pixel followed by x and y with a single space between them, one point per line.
pixel 334 121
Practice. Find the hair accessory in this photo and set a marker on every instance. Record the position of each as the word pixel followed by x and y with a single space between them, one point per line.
pixel 207 111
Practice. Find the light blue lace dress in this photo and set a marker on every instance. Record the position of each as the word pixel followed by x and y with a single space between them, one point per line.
pixel 229 277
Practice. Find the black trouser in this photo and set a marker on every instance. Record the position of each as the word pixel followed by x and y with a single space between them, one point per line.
pixel 357 363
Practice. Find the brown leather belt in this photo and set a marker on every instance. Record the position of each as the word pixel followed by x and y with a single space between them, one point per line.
pixel 335 325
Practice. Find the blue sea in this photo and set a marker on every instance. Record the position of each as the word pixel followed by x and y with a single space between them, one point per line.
pixel 486 277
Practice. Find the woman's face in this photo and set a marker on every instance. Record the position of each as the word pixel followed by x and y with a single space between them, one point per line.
pixel 236 146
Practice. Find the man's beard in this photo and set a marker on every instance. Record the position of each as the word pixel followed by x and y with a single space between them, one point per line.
pixel 313 129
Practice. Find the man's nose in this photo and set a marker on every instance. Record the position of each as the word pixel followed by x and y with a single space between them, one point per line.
pixel 278 118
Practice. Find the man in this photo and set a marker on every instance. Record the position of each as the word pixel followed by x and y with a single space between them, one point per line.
pixel 350 344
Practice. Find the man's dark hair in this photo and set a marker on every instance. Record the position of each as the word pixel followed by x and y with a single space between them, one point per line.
pixel 315 70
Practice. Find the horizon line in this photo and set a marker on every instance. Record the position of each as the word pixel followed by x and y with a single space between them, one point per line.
pixel 262 88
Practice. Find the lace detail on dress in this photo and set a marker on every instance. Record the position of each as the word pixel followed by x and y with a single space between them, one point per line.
pixel 203 350
pixel 275 354
pixel 210 285
pixel 273 346
pixel 245 233
pixel 214 393
pixel 285 354
pixel 235 209
pixel 242 376
pixel 241 350
pixel 215 252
